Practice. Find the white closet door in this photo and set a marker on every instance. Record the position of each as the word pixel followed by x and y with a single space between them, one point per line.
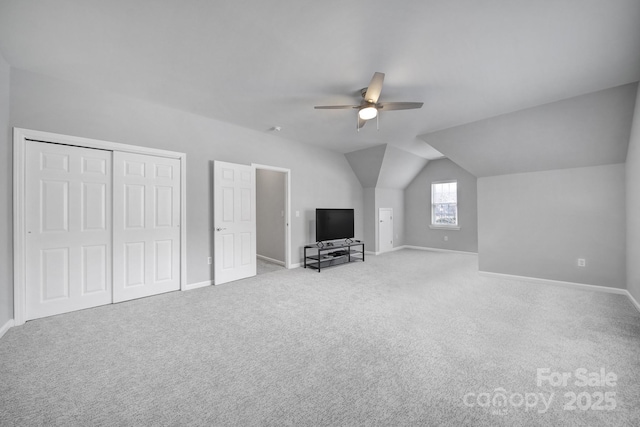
pixel 68 223
pixel 385 230
pixel 146 225
pixel 234 207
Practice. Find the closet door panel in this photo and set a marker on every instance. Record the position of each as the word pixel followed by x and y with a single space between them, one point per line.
pixel 146 233
pixel 68 217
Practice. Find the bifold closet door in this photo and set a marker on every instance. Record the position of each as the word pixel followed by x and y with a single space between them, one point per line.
pixel 68 223
pixel 146 225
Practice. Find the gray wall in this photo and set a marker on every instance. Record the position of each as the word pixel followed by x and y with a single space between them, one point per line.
pixel 370 219
pixel 270 207
pixel 384 172
pixel 366 164
pixel 633 206
pixel 399 168
pixel 6 182
pixel 319 177
pixel 418 209
pixel 538 224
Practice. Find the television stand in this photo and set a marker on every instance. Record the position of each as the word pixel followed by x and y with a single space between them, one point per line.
pixel 336 253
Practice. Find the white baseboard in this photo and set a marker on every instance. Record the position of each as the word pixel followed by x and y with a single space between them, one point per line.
pixel 198 285
pixel 191 286
pixel 633 300
pixel 295 265
pixel 574 285
pixel 6 327
pixel 397 248
pixel 275 261
pixel 425 248
pixel 420 248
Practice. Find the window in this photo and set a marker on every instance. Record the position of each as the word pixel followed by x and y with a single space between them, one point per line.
pixel 444 204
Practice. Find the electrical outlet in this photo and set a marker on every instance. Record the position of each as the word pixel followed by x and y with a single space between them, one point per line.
pixel 582 262
pixel 209 260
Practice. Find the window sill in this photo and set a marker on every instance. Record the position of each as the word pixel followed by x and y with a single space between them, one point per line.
pixel 444 227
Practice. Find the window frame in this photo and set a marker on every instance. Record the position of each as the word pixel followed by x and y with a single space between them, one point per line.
pixel 455 226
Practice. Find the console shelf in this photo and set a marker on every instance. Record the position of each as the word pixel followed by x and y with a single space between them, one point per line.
pixel 330 254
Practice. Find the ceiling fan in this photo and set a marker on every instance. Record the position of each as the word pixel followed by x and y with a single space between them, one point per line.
pixel 369 107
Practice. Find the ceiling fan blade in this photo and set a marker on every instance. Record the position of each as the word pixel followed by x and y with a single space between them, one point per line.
pixel 374 88
pixel 335 107
pixel 388 106
pixel 361 123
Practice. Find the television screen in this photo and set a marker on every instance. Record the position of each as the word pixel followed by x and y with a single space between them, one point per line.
pixel 333 224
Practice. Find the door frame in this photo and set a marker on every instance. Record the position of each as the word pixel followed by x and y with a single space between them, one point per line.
pixel 287 208
pixel 20 138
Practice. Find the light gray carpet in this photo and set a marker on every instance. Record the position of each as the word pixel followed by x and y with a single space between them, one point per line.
pixel 398 340
pixel 263 266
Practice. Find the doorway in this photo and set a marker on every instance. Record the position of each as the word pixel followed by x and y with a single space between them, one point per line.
pixel 273 218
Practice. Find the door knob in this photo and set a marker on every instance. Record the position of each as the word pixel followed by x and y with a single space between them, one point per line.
pixel 220 229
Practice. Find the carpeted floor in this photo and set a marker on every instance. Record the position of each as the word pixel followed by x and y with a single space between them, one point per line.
pixel 408 338
pixel 263 266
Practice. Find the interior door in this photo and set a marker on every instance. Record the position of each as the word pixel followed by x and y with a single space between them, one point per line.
pixel 385 229
pixel 146 225
pixel 234 188
pixel 68 223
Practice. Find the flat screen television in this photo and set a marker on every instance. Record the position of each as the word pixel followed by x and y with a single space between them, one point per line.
pixel 334 224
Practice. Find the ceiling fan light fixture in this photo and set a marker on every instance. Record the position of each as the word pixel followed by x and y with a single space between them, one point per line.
pixel 368 113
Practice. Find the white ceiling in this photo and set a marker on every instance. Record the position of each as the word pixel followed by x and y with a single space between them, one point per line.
pixel 261 64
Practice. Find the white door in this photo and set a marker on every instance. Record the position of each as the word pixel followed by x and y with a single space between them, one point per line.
pixel 385 229
pixel 234 208
pixel 146 225
pixel 68 224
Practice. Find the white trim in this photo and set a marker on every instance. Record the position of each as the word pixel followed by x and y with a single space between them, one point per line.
pixel 424 248
pixel 8 325
pixel 19 233
pixel 287 213
pixel 275 261
pixel 20 137
pixel 574 285
pixel 444 227
pixel 395 248
pixel 583 286
pixel 633 300
pixel 204 284
pixel 295 265
pixel 19 133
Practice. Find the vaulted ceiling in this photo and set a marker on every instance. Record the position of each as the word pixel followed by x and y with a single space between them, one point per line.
pixel 261 64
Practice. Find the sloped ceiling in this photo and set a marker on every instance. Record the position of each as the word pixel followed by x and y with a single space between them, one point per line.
pixel 366 164
pixel 587 130
pixel 261 64
pixel 385 166
pixel 399 168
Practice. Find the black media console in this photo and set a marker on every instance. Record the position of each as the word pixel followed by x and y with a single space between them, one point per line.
pixel 328 254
